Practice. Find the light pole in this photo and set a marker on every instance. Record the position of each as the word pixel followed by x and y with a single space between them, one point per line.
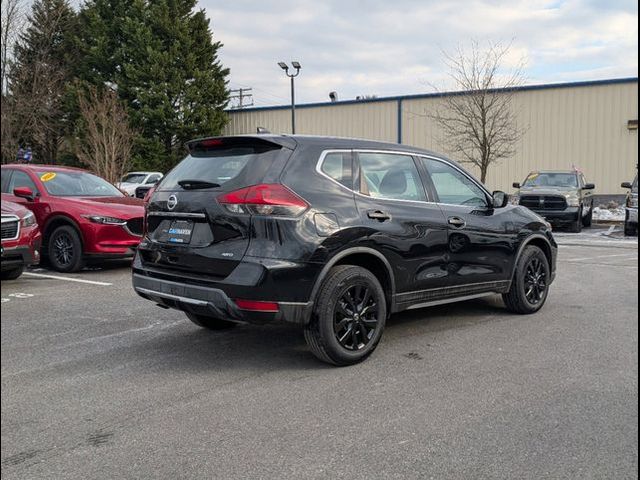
pixel 285 67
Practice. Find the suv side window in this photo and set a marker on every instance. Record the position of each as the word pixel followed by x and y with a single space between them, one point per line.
pixel 21 179
pixel 582 180
pixel 453 187
pixel 391 176
pixel 338 166
pixel 153 179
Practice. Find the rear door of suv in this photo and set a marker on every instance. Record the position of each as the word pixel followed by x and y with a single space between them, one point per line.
pixel 409 230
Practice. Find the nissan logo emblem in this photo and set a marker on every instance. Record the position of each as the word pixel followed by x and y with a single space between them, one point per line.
pixel 172 201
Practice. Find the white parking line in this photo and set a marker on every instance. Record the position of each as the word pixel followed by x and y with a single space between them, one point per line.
pixel 632 256
pixel 67 279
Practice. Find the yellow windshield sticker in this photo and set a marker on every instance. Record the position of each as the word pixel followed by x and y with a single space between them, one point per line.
pixel 46 177
pixel 533 176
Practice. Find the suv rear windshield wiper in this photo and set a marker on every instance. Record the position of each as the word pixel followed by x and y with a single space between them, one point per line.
pixel 195 184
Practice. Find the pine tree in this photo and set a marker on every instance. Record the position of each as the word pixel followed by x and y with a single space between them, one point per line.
pixel 160 58
pixel 40 76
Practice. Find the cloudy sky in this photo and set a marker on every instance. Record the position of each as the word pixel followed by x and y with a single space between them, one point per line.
pixel 393 47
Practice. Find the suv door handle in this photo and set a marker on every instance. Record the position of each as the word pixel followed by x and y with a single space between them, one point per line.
pixel 457 222
pixel 378 215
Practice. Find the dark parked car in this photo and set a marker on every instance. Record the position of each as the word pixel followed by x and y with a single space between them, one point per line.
pixel 142 191
pixel 333 235
pixel 562 198
pixel 82 217
pixel 631 208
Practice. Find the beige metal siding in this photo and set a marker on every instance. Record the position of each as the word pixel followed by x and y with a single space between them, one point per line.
pixel 371 120
pixel 585 126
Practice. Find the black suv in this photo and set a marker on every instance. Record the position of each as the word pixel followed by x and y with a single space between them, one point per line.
pixel 334 235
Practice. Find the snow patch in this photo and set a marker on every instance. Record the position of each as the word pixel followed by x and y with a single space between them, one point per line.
pixel 616 214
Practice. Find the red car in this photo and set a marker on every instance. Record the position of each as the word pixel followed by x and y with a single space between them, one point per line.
pixel 82 217
pixel 20 240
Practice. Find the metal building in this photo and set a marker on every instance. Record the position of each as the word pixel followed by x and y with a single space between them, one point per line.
pixel 590 125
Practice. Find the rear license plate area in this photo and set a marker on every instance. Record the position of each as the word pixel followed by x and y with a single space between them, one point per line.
pixel 177 232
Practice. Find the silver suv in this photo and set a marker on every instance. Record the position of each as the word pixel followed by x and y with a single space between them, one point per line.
pixel 631 217
pixel 560 197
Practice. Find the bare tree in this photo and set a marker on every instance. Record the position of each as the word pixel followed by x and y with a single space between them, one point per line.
pixel 106 139
pixel 479 123
pixel 37 72
pixel 12 22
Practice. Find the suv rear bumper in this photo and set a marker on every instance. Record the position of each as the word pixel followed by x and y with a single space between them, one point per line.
pixel 216 299
pixel 568 215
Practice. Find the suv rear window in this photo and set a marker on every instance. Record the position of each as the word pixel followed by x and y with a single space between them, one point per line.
pixel 216 166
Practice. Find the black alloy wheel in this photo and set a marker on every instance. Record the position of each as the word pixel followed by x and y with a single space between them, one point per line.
pixel 530 286
pixel 349 316
pixel 355 317
pixel 65 249
pixel 535 281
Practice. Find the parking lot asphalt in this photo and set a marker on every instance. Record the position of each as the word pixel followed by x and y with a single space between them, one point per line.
pixel 98 383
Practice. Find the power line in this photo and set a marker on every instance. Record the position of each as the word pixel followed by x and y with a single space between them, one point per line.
pixel 243 95
pixel 263 91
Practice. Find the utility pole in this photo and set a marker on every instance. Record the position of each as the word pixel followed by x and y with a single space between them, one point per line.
pixel 242 94
pixel 285 67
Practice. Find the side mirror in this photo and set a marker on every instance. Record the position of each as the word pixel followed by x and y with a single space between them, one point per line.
pixel 516 185
pixel 589 186
pixel 24 192
pixel 627 185
pixel 500 199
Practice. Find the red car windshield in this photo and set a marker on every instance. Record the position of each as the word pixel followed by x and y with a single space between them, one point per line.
pixel 77 184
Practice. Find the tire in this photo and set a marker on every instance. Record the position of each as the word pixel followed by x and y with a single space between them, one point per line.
pixel 532 261
pixel 64 249
pixel 355 294
pixel 12 274
pixel 630 230
pixel 588 220
pixel 209 323
pixel 576 226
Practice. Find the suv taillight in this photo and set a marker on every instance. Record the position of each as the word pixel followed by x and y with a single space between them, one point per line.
pixel 270 199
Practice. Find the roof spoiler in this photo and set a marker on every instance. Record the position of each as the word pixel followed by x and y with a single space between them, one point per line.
pixel 264 140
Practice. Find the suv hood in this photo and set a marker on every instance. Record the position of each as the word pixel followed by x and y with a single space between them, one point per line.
pixel 120 207
pixel 12 208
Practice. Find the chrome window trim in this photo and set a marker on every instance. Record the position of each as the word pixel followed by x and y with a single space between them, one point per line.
pixel 397 152
pixel 12 218
pixel 469 177
pixel 323 155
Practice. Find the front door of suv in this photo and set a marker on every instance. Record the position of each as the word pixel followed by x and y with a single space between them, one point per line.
pixel 481 239
pixel 403 225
